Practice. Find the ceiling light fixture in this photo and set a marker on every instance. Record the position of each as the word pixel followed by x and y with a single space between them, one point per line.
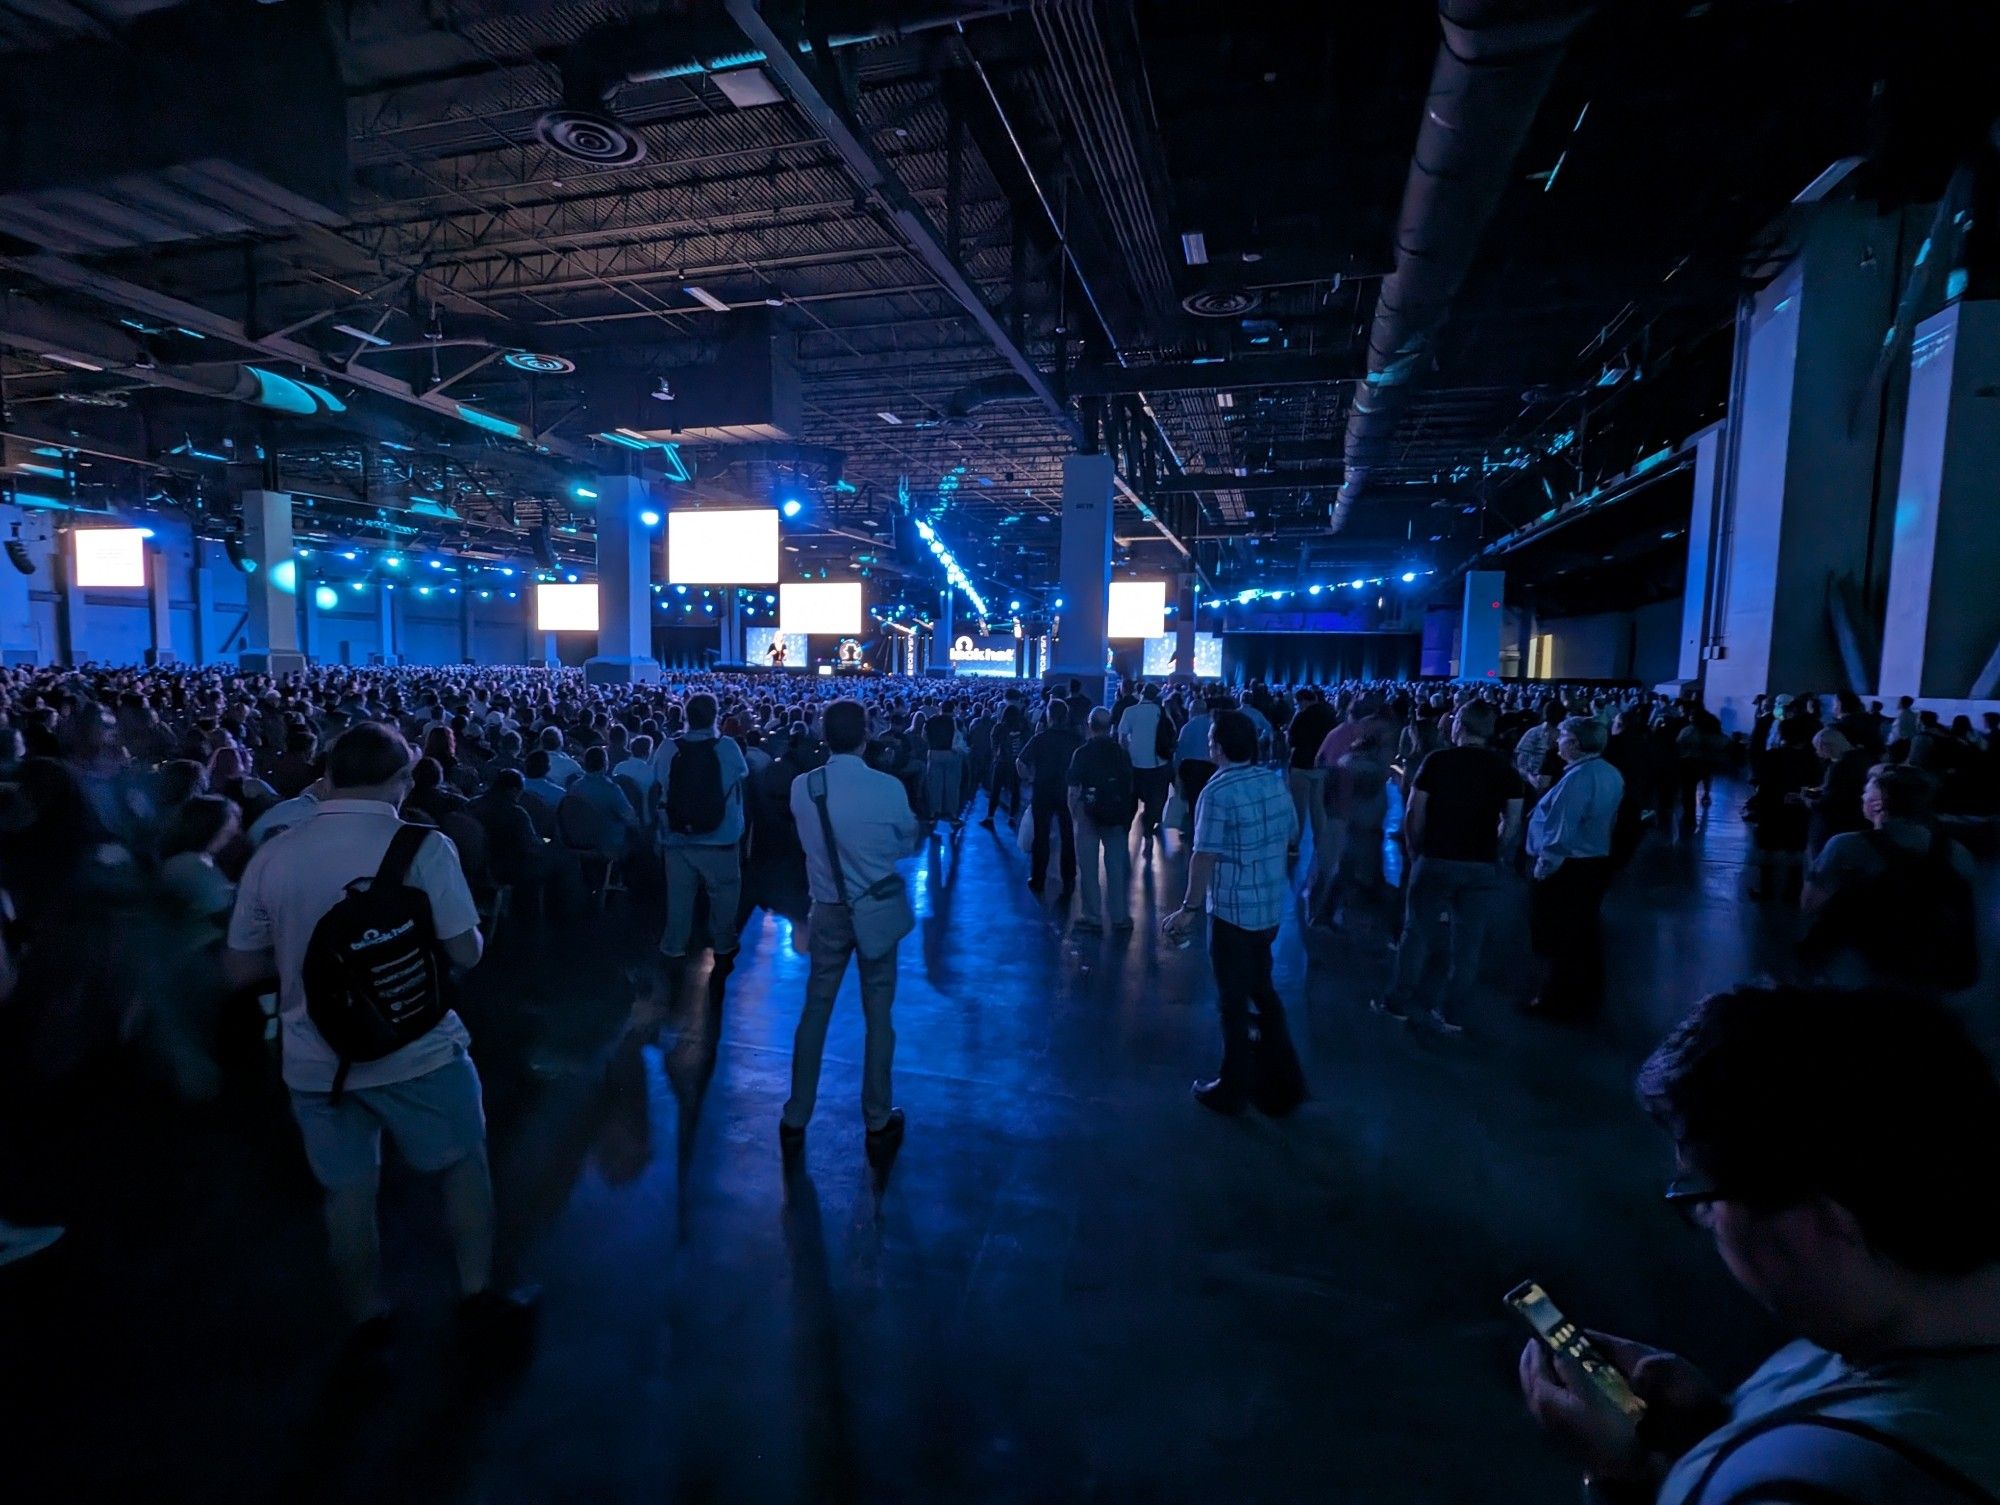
pixel 1194 246
pixel 888 417
pixel 707 299
pixel 366 337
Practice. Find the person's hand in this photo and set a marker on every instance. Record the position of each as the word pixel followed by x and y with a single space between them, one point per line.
pixel 1681 1408
pixel 1176 925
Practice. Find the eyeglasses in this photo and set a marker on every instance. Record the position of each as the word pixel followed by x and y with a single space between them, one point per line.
pixel 1692 1196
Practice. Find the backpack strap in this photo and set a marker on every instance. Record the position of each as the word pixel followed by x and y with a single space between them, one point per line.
pixel 1932 1468
pixel 403 849
pixel 817 791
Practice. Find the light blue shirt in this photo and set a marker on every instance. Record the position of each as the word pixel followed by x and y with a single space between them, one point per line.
pixel 734 771
pixel 1575 817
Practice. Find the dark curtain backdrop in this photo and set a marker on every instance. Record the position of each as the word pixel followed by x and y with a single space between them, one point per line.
pixel 1316 657
pixel 686 647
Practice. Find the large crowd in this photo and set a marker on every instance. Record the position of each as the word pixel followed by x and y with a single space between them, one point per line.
pixel 179 847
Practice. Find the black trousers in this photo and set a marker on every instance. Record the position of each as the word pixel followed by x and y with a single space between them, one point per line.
pixel 1259 1061
pixel 1152 787
pixel 1566 928
pixel 1006 781
pixel 1045 812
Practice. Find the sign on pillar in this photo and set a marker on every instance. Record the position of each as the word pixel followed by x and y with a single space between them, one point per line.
pixel 1479 636
pixel 271 633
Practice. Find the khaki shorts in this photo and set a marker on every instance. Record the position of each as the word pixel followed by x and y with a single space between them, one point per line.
pixel 436 1120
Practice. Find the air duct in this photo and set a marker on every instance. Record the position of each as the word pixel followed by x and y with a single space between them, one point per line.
pixel 1493 67
pixel 1004 386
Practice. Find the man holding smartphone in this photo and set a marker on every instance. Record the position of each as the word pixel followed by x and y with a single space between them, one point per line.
pixel 1842 1148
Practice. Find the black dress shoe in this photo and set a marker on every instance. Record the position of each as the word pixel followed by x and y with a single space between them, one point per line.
pixel 890 1132
pixel 1218 1099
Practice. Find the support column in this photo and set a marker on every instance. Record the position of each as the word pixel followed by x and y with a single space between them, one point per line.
pixel 624 585
pixel 271 636
pixel 941 659
pixel 1698 600
pixel 160 604
pixel 201 590
pixel 1481 622
pixel 1803 530
pixel 1086 572
pixel 1941 636
pixel 732 628
pixel 464 625
pixel 385 604
pixel 1187 605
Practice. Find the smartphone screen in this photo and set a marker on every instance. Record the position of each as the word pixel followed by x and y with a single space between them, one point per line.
pixel 1564 1336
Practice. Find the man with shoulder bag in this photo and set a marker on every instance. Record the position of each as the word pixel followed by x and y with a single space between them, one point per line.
pixel 855 824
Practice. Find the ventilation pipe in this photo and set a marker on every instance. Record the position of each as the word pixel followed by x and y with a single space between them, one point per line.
pixel 1494 65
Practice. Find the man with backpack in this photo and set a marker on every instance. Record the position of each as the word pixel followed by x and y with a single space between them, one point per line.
pixel 703 776
pixel 1103 798
pixel 358 920
pixel 1893 903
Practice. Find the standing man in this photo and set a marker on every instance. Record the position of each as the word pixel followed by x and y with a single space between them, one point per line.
pixel 1365 722
pixel 1044 766
pixel 703 776
pixel 1569 841
pixel 1465 807
pixel 1103 798
pixel 1310 723
pixel 1139 732
pixel 875 829
pixel 1243 827
pixel 944 767
pixel 424 1094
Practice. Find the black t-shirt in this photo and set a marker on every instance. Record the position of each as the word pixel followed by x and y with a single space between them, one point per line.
pixel 1095 761
pixel 939 731
pixel 1466 792
pixel 1047 755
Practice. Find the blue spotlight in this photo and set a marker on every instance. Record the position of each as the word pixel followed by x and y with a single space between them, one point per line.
pixel 791 506
pixel 650 518
pixel 583 493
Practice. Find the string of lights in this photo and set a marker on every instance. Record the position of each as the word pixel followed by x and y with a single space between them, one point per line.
pixel 952 571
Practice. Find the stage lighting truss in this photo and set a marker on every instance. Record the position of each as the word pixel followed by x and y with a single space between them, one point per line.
pixel 950 565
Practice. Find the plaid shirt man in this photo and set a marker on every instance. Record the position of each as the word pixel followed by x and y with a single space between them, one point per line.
pixel 1246 820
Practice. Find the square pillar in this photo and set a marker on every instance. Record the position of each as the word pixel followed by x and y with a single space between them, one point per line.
pixel 624 585
pixel 1086 571
pixel 1698 599
pixel 1483 618
pixel 1187 606
pixel 385 604
pixel 271 635
pixel 946 634
pixel 160 604
pixel 1943 621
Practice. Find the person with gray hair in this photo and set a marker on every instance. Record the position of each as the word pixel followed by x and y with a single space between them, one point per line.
pixel 1569 838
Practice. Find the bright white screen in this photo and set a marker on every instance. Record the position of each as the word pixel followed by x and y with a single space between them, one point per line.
pixel 110 558
pixel 834 607
pixel 736 547
pixel 1158 662
pixel 1138 609
pixel 566 608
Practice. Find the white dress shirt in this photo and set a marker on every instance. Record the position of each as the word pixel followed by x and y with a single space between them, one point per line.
pixel 872 821
pixel 1574 818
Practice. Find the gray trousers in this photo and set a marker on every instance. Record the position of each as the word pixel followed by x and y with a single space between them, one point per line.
pixel 1115 842
pixel 831 943
pixel 719 869
pixel 1444 926
pixel 1308 787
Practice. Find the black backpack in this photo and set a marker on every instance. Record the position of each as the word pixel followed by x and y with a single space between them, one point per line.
pixel 696 804
pixel 1915 921
pixel 1165 736
pixel 374 978
pixel 1112 799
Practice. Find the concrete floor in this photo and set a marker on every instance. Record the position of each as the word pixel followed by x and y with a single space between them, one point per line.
pixel 1071 1284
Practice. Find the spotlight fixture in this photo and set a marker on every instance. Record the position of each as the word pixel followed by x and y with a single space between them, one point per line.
pixel 650 518
pixel 791 506
pixel 232 545
pixel 664 391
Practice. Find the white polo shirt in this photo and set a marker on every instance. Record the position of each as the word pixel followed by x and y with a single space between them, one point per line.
pixel 301 873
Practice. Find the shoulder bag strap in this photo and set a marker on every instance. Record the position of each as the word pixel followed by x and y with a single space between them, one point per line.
pixel 403 848
pixel 1933 1468
pixel 818 793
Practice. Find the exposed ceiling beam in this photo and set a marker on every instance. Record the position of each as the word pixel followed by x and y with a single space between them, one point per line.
pixel 1222 480
pixel 1235 373
pixel 905 214
pixel 54 271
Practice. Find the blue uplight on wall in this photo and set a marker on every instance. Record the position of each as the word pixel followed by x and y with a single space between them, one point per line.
pixel 650 518
pixel 285 576
pixel 326 598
